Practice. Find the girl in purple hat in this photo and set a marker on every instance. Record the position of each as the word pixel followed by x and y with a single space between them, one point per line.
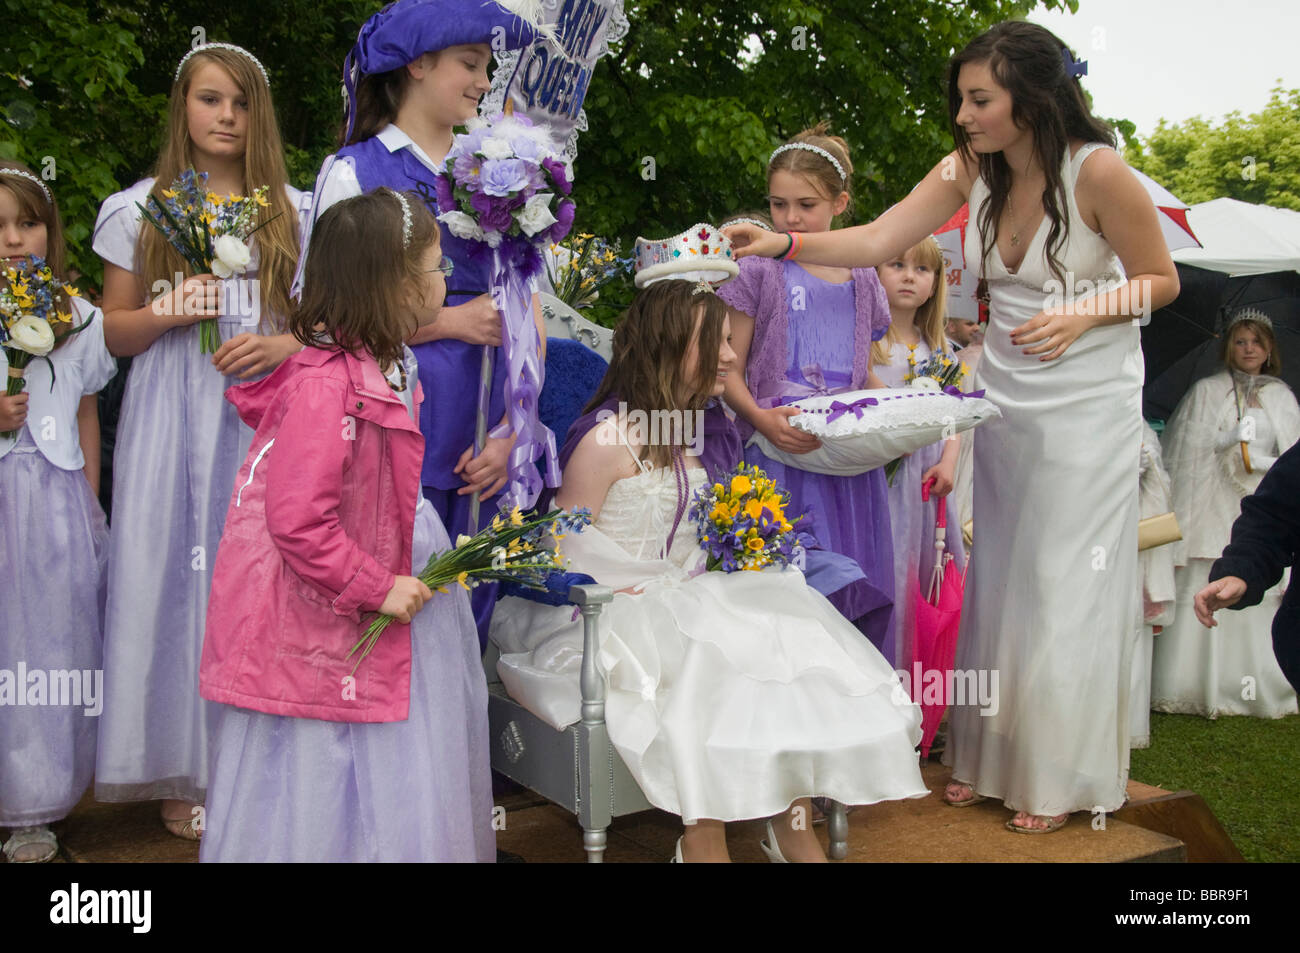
pixel 417 71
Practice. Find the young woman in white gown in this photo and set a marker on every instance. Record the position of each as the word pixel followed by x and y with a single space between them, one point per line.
pixel 1050 600
pixel 1230 669
pixel 728 695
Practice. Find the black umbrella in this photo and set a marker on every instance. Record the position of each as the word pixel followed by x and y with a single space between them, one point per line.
pixel 1182 342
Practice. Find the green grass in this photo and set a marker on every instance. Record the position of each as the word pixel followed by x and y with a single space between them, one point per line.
pixel 1247 769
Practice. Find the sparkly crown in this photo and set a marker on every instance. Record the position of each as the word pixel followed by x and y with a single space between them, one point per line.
pixel 701 253
pixel 1250 314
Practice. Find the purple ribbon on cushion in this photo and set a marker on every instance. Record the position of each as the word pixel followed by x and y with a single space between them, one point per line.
pixel 839 408
pixel 952 391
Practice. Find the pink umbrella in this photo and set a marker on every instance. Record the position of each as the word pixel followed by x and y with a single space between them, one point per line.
pixel 938 613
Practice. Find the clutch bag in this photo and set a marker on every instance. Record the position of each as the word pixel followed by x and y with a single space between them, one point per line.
pixel 1157 531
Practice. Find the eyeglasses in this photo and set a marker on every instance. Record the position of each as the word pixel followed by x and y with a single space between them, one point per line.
pixel 446 266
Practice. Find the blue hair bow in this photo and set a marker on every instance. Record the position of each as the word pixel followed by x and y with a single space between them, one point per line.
pixel 1073 68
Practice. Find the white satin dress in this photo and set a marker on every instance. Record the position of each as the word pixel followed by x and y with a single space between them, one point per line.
pixel 1051 601
pixel 729 695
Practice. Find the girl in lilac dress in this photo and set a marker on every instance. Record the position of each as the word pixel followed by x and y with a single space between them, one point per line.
pixel 802 331
pixel 179 443
pixel 55 543
pixel 916 290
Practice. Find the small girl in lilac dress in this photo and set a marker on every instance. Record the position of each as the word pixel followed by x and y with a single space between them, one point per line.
pixel 916 289
pixel 55 544
pixel 802 331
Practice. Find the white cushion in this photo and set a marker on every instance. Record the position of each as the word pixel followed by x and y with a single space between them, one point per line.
pixel 902 420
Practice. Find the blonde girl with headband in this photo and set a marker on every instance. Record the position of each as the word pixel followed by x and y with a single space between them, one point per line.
pixel 179 443
pixel 801 330
pixel 917 292
pixel 415 74
pixel 311 761
pixel 54 539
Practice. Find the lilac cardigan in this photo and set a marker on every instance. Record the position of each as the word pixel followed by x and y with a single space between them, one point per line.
pixel 760 291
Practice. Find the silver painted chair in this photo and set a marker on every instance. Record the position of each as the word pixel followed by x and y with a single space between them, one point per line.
pixel 578 768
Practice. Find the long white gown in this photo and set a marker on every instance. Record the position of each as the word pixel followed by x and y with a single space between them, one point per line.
pixel 1230 669
pixel 1051 603
pixel 729 695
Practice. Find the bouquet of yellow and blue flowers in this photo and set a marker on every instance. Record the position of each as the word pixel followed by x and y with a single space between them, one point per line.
pixel 579 267
pixel 210 232
pixel 35 311
pixel 511 549
pixel 941 371
pixel 741 522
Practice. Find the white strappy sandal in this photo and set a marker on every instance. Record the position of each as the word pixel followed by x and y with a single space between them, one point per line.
pixel 40 836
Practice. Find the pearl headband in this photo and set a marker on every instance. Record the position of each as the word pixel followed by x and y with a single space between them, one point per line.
pixel 746 221
pixel 809 147
pixel 20 174
pixel 203 47
pixel 406 219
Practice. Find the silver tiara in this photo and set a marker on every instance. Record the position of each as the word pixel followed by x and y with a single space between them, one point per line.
pixel 746 221
pixel 20 174
pixel 1250 314
pixel 221 46
pixel 809 147
pixel 406 219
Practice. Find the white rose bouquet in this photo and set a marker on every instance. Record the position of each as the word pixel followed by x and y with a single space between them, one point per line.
pixel 35 312
pixel 210 232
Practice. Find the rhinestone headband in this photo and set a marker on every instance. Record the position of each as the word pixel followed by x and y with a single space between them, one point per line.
pixel 1251 314
pixel 203 47
pixel 20 174
pixel 746 221
pixel 809 147
pixel 406 220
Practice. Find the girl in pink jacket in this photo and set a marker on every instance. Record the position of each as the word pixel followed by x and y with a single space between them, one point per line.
pixel 311 762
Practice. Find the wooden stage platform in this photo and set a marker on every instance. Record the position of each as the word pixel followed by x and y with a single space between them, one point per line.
pixel 1154 827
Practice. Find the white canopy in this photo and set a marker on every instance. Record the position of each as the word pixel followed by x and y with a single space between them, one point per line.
pixel 1242 239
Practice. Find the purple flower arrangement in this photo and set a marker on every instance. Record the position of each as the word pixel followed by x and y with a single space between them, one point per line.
pixel 504 185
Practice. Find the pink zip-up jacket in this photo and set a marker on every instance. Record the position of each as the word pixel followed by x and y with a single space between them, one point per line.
pixel 318 528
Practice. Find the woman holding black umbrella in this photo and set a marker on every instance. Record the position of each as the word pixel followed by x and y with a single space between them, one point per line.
pixel 1227 431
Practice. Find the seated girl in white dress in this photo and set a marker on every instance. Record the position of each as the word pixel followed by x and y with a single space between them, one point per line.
pixel 729 695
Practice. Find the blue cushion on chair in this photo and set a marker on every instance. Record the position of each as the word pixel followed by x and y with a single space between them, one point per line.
pixel 557 588
pixel 573 372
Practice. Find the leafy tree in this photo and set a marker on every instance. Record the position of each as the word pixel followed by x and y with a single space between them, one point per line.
pixel 69 108
pixel 1255 158
pixel 704 88
pixel 705 91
